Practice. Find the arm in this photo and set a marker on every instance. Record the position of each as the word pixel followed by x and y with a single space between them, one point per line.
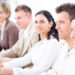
pixel 19 62
pixel 13 51
pixel 46 61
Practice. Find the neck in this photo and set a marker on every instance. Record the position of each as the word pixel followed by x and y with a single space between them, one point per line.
pixel 69 41
pixel 43 36
pixel 1 23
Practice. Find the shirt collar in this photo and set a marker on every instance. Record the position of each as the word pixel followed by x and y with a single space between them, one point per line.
pixel 27 29
pixel 72 51
pixel 2 26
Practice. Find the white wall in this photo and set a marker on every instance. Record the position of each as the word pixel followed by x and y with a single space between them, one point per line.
pixel 37 5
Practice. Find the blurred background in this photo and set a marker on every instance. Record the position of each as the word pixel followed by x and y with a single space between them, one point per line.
pixel 37 5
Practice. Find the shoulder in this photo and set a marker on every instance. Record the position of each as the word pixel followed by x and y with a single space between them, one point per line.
pixel 54 41
pixel 11 26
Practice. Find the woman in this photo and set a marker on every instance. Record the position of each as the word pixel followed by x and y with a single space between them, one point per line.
pixel 66 64
pixel 8 30
pixel 43 55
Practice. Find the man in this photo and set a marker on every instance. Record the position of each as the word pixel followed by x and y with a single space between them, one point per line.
pixel 65 63
pixel 26 36
pixel 63 23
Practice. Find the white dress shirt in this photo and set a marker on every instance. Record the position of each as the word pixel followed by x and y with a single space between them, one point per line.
pixel 65 64
pixel 2 29
pixel 43 56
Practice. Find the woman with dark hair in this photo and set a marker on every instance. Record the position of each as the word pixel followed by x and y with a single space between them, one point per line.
pixel 52 30
pixel 43 54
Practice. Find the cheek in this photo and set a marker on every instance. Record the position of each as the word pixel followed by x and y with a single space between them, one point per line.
pixel 72 34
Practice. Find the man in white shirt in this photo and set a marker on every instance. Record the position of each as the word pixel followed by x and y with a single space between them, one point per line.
pixel 66 61
pixel 26 36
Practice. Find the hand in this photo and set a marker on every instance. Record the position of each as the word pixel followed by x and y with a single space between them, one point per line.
pixel 6 71
pixel 1 65
pixel 2 60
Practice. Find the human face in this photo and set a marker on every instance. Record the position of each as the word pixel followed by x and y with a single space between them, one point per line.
pixel 42 25
pixel 3 15
pixel 63 25
pixel 22 19
pixel 73 32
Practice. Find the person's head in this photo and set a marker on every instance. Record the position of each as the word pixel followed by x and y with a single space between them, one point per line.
pixel 63 20
pixel 23 16
pixel 45 24
pixel 4 11
pixel 73 30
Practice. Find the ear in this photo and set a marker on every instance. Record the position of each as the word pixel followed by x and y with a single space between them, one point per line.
pixel 50 24
pixel 8 14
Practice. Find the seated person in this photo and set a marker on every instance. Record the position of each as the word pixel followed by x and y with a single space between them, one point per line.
pixel 65 64
pixel 8 30
pixel 23 16
pixel 47 47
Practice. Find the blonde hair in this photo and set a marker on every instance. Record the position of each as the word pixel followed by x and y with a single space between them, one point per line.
pixel 5 7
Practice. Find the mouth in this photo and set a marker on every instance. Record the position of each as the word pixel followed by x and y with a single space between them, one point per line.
pixel 59 32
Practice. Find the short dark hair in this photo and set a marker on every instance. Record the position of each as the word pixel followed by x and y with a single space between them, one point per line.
pixel 69 8
pixel 25 8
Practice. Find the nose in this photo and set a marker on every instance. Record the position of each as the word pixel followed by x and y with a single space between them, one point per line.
pixel 57 26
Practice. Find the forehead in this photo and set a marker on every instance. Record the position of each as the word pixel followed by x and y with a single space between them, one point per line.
pixel 20 13
pixel 63 16
pixel 40 17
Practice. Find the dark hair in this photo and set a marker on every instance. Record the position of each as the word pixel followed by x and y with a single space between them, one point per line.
pixel 25 8
pixel 49 17
pixel 69 8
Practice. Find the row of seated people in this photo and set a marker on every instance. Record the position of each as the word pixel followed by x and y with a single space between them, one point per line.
pixel 46 45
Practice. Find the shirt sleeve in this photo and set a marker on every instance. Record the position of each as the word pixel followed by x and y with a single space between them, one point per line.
pixel 48 58
pixel 19 62
pixel 27 71
pixel 51 53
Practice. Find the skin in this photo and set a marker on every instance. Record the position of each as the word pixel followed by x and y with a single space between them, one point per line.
pixel 73 32
pixel 22 19
pixel 42 25
pixel 63 26
pixel 3 16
